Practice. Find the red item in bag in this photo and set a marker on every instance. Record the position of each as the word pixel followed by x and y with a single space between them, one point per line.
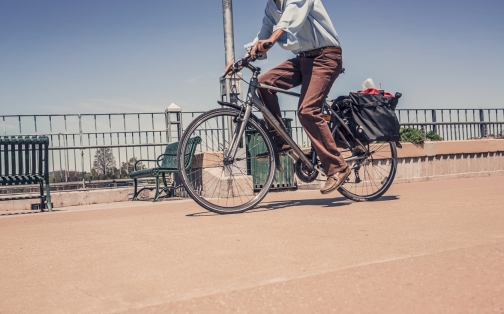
pixel 374 91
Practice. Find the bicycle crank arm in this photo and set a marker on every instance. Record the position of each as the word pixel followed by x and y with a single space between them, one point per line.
pixel 292 156
pixel 355 158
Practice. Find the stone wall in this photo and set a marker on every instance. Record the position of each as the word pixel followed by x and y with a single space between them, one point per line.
pixel 443 160
pixel 451 159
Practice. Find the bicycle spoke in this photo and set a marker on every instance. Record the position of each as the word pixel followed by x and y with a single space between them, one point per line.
pixel 376 173
pixel 228 184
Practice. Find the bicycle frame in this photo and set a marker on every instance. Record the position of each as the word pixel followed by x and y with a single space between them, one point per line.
pixel 253 99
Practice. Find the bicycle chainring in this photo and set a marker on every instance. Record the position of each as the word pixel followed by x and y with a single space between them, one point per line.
pixel 303 173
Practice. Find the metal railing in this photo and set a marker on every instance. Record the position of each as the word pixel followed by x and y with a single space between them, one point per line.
pixel 455 124
pixel 75 138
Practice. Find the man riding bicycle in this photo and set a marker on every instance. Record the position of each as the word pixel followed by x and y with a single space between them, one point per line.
pixel 304 27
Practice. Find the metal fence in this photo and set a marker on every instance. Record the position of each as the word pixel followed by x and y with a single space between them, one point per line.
pixel 455 124
pixel 450 124
pixel 75 138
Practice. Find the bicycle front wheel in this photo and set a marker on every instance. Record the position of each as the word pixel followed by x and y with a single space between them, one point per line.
pixel 218 183
pixel 373 173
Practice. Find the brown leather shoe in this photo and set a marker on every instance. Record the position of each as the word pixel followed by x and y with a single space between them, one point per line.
pixel 335 181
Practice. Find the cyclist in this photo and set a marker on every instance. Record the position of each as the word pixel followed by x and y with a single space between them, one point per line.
pixel 304 27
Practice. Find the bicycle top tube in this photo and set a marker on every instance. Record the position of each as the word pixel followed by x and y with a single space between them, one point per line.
pixel 245 63
pixel 276 89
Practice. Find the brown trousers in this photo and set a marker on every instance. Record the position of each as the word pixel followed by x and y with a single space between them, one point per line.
pixel 315 74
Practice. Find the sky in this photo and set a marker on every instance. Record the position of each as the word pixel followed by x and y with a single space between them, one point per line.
pixel 96 56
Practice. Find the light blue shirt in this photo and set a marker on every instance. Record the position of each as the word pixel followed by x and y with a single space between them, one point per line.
pixel 305 23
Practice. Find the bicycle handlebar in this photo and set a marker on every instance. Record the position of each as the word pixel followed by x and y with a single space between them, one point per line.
pixel 243 62
pixel 267 45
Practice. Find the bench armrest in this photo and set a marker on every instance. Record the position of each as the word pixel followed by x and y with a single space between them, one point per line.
pixel 160 157
pixel 138 161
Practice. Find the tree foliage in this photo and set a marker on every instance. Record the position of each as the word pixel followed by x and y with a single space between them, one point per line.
pixel 129 166
pixel 104 163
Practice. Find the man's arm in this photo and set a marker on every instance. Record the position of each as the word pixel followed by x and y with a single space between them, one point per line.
pixel 264 34
pixel 258 46
pixel 266 27
pixel 294 16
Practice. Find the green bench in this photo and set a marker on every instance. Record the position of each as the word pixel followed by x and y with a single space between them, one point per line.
pixel 25 161
pixel 166 164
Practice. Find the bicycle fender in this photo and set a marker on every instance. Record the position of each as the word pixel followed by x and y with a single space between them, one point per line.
pixel 228 104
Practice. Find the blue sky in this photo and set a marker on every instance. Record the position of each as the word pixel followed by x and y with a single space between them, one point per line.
pixel 100 56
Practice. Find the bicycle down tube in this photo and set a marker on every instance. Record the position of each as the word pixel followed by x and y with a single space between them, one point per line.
pixel 274 122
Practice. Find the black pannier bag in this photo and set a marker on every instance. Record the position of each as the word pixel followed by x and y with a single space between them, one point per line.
pixel 372 115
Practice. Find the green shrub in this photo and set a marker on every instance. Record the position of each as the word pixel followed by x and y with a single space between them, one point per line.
pixel 433 136
pixel 412 135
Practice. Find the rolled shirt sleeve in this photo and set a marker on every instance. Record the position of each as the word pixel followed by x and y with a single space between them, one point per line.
pixel 294 16
pixel 292 20
pixel 266 28
pixel 264 33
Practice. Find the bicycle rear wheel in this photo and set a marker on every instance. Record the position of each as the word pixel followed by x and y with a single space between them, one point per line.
pixel 221 185
pixel 372 175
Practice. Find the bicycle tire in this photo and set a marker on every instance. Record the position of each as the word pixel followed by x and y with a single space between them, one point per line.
pixel 202 183
pixel 378 171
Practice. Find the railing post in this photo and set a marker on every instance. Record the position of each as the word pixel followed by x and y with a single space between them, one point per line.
pixel 434 120
pixel 482 126
pixel 179 125
pixel 81 143
pixel 173 108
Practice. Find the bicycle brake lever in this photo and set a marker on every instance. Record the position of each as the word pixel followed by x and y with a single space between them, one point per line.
pixel 229 68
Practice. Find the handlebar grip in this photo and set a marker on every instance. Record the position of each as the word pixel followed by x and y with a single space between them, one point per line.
pixel 267 45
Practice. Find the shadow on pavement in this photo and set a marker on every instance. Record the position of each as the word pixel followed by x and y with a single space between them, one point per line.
pixel 322 202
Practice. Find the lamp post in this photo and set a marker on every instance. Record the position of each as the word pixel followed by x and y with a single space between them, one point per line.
pixel 227 93
pixel 230 87
pixel 227 11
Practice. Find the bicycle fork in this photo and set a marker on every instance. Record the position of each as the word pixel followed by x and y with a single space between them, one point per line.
pixel 238 133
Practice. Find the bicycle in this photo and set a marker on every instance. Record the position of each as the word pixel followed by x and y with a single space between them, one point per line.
pixel 231 136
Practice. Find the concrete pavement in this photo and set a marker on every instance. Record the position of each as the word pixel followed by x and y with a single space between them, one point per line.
pixel 426 247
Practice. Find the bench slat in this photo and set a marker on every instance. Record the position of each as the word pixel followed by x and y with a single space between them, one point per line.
pixel 24 161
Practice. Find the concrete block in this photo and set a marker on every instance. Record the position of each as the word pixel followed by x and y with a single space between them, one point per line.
pixel 214 184
pixel 461 147
pixel 73 198
pixel 430 148
pixel 411 150
pixel 208 160
pixel 495 145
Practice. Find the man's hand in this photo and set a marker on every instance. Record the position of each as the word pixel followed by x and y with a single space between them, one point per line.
pixel 226 69
pixel 258 49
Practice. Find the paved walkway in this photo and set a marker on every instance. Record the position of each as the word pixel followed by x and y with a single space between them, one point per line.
pixel 430 247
